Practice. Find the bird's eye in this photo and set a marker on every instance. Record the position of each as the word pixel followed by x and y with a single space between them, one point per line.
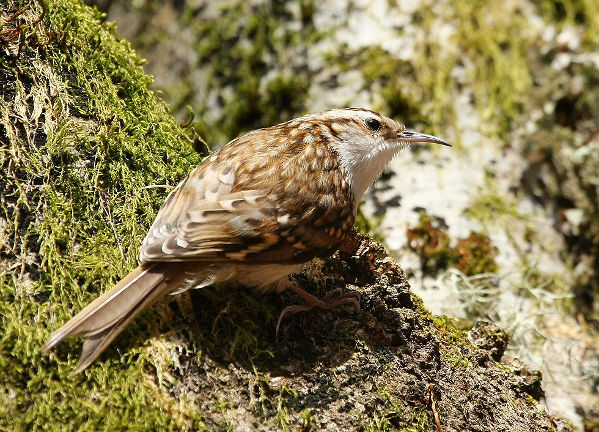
pixel 373 124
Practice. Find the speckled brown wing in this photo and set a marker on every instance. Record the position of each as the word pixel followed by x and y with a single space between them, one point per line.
pixel 230 208
pixel 218 229
pixel 202 220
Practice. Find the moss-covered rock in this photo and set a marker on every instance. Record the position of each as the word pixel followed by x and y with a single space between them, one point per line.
pixel 81 138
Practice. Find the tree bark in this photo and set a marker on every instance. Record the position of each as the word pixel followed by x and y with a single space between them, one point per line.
pixel 82 135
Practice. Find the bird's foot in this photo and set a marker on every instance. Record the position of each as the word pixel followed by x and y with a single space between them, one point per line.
pixel 326 303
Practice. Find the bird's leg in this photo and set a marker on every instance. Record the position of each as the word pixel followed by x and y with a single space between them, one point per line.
pixel 339 292
pixel 311 302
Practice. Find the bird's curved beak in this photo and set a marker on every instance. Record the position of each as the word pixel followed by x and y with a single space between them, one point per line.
pixel 417 137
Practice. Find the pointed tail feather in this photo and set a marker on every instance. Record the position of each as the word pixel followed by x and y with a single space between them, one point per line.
pixel 103 319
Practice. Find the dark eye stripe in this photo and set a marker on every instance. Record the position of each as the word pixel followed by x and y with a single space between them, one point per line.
pixel 373 124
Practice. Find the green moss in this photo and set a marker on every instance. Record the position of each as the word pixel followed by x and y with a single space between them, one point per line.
pixel 488 49
pixel 420 308
pixel 381 69
pixel 246 60
pixel 369 226
pixel 393 421
pixel 475 254
pixel 82 135
pixel 558 144
pixel 238 70
pixel 287 397
pixel 454 358
pixel 245 318
pixel 498 43
pixel 492 208
pixel 391 417
pixel 573 12
pixel 449 330
pixel 307 423
pixel 454 338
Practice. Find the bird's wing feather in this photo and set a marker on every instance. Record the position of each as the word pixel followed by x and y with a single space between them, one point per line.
pixel 203 219
pixel 272 205
pixel 229 227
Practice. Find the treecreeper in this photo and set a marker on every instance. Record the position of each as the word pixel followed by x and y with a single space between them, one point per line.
pixel 251 213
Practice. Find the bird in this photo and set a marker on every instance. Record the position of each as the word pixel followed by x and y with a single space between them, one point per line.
pixel 251 213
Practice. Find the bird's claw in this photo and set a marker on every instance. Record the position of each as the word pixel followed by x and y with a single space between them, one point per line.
pixel 324 303
pixel 353 295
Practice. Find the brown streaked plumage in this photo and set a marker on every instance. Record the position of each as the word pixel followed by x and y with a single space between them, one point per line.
pixel 252 213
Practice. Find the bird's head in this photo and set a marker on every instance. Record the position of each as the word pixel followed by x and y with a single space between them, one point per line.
pixel 366 141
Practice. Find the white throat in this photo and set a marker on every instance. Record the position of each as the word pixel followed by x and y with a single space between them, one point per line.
pixel 365 161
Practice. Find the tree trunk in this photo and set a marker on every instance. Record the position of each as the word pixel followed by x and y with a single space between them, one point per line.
pixel 82 135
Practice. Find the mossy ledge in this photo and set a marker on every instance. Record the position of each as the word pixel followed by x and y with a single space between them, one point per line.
pixel 81 136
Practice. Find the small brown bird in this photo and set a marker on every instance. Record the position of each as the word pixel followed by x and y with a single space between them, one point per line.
pixel 253 212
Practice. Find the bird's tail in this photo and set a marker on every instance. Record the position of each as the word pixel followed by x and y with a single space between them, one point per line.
pixel 103 319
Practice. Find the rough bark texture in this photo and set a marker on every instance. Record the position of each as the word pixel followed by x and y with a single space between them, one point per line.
pixel 81 135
